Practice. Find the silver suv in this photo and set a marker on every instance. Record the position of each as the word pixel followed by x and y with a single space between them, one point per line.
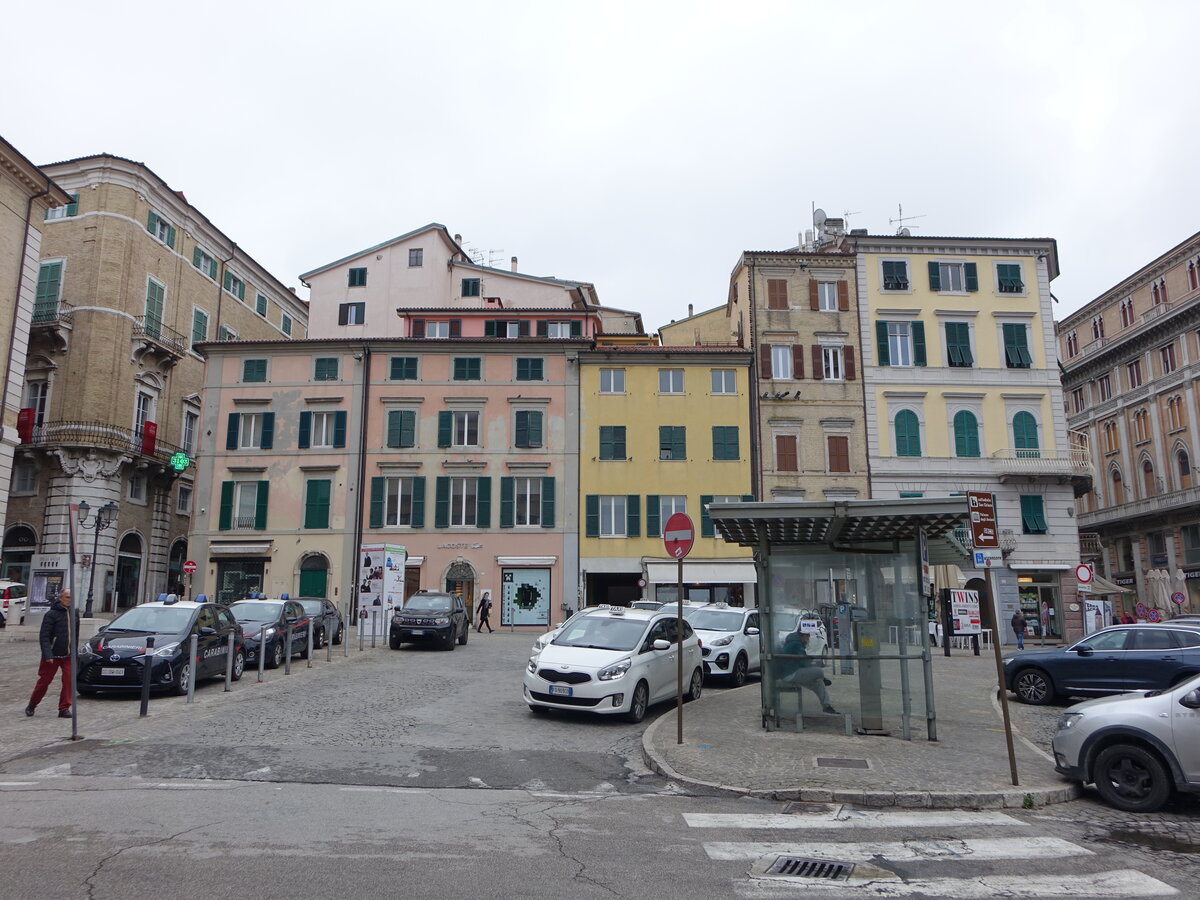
pixel 1136 748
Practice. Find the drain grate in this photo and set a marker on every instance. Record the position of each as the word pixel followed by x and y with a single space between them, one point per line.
pixel 799 867
pixel 836 762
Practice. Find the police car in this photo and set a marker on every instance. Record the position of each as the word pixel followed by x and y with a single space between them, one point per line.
pixel 116 658
pixel 731 639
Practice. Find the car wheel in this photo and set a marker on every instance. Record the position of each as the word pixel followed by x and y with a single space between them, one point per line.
pixel 239 666
pixel 1034 686
pixel 738 676
pixel 1132 778
pixel 638 704
pixel 181 679
pixel 276 659
pixel 393 641
pixel 337 636
pixel 462 638
pixel 696 687
pixel 539 710
pixel 451 639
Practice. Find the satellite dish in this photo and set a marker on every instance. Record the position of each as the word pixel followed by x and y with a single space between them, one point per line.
pixel 904 232
pixel 819 217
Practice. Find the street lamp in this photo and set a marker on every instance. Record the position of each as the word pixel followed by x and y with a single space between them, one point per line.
pixel 101 519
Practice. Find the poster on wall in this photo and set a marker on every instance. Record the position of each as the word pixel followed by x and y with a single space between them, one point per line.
pixel 964 612
pixel 380 586
pixel 525 599
pixel 1097 614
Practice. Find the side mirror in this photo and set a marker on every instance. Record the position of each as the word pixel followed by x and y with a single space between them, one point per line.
pixel 1191 699
pixel 292 620
pixel 102 629
pixel 660 644
pixel 752 630
pixel 1084 651
pixel 206 631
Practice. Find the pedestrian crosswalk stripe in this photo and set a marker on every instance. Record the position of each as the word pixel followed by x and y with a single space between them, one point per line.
pixel 898 851
pixel 852 818
pixel 1118 883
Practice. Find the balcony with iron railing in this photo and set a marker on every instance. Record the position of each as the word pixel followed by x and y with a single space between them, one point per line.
pixel 99 435
pixel 50 313
pixel 1152 507
pixel 152 337
pixel 1089 545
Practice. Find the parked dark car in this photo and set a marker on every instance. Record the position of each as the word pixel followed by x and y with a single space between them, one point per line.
pixel 430 616
pixel 327 621
pixel 1113 660
pixel 115 659
pixel 286 629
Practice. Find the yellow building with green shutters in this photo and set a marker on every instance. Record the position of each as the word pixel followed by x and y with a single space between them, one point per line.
pixel 661 430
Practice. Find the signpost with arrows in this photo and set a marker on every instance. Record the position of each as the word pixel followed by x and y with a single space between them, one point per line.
pixel 677 538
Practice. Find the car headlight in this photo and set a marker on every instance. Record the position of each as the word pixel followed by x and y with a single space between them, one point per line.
pixel 169 650
pixel 722 642
pixel 532 664
pixel 1069 720
pixel 442 620
pixel 615 671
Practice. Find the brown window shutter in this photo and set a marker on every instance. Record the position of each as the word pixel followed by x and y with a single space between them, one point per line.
pixel 797 360
pixel 764 361
pixel 777 293
pixel 818 363
pixel 839 453
pixel 843 296
pixel 848 355
pixel 785 453
pixel 813 295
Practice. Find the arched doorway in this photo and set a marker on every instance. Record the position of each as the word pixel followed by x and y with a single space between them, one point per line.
pixel 314 577
pixel 129 570
pixel 19 544
pixel 175 561
pixel 460 579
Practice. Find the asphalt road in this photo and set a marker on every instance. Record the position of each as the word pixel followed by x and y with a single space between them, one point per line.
pixel 422 772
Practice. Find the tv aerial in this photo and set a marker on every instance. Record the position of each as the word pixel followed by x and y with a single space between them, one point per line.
pixel 901 218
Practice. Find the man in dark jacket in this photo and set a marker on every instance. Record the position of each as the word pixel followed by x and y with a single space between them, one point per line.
pixel 804 669
pixel 55 638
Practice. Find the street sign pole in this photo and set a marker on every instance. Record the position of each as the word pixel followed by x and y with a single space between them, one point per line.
pixel 678 536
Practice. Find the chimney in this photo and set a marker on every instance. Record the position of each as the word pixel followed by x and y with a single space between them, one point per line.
pixel 689 310
pixel 292 289
pixel 514 264
pixel 458 239
pixel 808 238
pixel 858 231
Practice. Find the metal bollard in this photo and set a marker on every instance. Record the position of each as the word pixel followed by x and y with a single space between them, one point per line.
pixel 191 685
pixel 374 626
pixel 308 656
pixel 145 710
pixel 362 634
pixel 229 664
pixel 329 644
pixel 262 651
pixel 287 653
pixel 345 636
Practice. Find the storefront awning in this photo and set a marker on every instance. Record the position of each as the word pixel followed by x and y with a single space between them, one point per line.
pixel 1102 585
pixel 708 572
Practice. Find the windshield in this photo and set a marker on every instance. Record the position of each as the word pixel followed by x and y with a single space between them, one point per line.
pixel 155 619
pixel 602 633
pixel 312 607
pixel 716 619
pixel 253 611
pixel 417 603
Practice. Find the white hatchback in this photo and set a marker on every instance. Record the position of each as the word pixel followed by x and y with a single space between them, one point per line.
pixel 613 661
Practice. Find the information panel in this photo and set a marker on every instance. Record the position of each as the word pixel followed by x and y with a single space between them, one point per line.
pixel 525 598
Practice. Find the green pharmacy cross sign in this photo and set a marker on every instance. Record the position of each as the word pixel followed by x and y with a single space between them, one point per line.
pixel 180 461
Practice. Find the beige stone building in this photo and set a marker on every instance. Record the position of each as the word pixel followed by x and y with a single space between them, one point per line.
pixel 26 193
pixel 130 276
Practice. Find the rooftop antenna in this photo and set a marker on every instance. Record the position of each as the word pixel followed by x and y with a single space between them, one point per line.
pixel 901 218
pixel 846 215
pixel 495 256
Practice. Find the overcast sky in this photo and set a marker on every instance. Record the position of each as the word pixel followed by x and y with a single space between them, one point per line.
pixel 640 146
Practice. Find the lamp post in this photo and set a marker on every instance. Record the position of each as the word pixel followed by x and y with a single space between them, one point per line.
pixel 103 517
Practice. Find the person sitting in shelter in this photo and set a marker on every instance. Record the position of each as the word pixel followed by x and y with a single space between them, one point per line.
pixel 804 668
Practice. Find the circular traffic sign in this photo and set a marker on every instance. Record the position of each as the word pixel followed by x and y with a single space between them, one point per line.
pixel 1154 616
pixel 641 582
pixel 678 536
pixel 190 566
pixel 1083 573
pixel 1140 609
pixel 1178 599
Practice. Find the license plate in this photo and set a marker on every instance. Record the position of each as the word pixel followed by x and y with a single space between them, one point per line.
pixel 560 690
pixel 416 631
pixel 113 673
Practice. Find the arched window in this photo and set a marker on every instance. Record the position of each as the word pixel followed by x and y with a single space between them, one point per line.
pixel 1184 463
pixel 966 434
pixel 908 433
pixel 1025 436
pixel 1118 489
pixel 1148 479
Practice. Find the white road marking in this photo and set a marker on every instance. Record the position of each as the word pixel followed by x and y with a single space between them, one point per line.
pixel 478 782
pixel 17 783
pixel 851 818
pixel 384 790
pixel 924 848
pixel 1118 883
pixel 192 786
pixel 265 770
pixel 53 771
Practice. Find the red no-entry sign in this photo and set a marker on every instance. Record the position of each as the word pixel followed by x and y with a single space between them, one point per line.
pixel 190 566
pixel 678 536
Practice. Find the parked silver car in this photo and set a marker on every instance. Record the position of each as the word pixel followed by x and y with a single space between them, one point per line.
pixel 1136 748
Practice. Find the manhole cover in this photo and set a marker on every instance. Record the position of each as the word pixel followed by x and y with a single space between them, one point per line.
pixel 837 762
pixel 800 867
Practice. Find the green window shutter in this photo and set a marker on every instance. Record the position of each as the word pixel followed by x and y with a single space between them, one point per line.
pixel 48 286
pixel 393 427
pixel 653 515
pixel 316 507
pixel 1025 436
pixel 226 518
pixel 706 522
pixel 199 326
pixel 576 329
pixel 475 369
pixel 679 442
pixel 522 436
pixel 212 269
pixel 489 328
pixel 935 276
pixel 241 291
pixel 523 328
pixel 305 436
pixel 633 516
pixel 231 434
pixel 966 434
pixel 441 502
pixel 606 442
pixel 747 498
pixel 725 442
pixel 592 516
pixel 73 206
pixel 196 255
pixel 619 442
pixel 260 506
pixel 908 433
pixel 506 502
pixel 171 236
pixel 548 501
pixel 408 428
pixel 378 497
pixel 260 304
pixel 418 502
pixel 152 223
pixel 535 429
pixel 543 328
pixel 228 280
pixel 445 428
pixel 1033 515
pixel 268 433
pixel 918 339
pixel 339 428
pixel 881 343
pixel 971 276
pixel 483 502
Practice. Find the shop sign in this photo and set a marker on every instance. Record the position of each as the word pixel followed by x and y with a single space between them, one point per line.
pixel 982 508
pixel 1188 574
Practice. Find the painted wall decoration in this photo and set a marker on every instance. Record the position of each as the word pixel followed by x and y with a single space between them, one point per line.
pixel 525 597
